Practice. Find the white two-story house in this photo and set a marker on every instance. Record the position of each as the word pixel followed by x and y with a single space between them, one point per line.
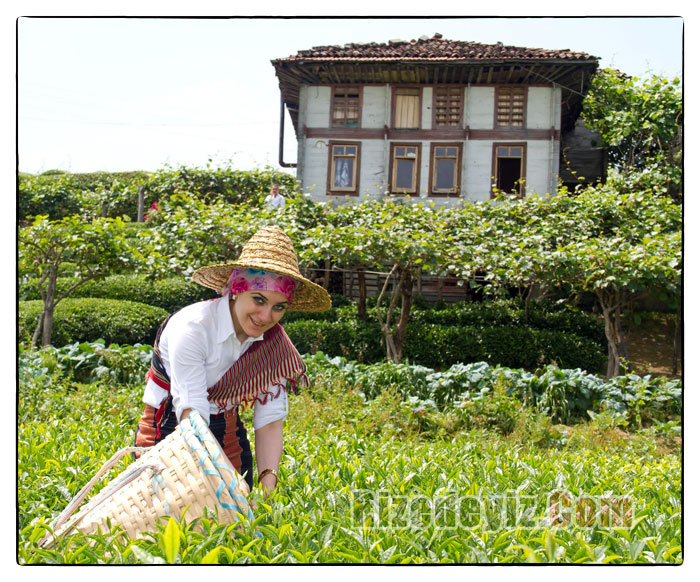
pixel 435 119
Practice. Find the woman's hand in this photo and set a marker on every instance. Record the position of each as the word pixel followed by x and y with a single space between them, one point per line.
pixel 268 451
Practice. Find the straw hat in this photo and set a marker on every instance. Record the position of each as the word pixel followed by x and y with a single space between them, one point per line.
pixel 269 249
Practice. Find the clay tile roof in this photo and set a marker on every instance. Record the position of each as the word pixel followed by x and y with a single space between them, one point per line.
pixel 435 48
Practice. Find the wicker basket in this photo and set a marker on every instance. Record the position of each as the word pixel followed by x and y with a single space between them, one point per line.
pixel 187 469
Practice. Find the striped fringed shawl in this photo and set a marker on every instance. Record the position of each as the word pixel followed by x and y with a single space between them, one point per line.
pixel 271 361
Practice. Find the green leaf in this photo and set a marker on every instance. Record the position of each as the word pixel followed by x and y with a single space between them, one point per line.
pixel 212 556
pixel 171 541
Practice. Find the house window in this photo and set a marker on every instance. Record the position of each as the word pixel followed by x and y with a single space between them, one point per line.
pixel 405 165
pixel 343 167
pixel 510 107
pixel 447 106
pixel 509 168
pixel 445 165
pixel 407 108
pixel 345 107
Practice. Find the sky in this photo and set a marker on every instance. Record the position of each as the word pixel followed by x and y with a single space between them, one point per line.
pixel 119 94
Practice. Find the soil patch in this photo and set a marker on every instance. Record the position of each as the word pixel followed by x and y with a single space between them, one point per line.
pixel 650 345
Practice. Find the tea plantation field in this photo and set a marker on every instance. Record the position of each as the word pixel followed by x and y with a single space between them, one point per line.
pixel 364 480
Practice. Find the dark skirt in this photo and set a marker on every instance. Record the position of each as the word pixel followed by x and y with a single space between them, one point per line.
pixel 227 427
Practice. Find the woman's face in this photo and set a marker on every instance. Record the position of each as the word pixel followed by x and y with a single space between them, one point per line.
pixel 254 312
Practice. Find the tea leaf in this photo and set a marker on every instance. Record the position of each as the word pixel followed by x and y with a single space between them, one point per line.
pixel 171 541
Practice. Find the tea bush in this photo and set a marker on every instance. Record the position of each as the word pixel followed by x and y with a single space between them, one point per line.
pixel 440 346
pixel 351 339
pixel 511 312
pixel 351 492
pixel 169 294
pixel 90 319
pixel 546 315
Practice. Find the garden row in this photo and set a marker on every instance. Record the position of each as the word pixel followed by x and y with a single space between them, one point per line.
pixel 129 309
pixel 562 394
pixel 174 293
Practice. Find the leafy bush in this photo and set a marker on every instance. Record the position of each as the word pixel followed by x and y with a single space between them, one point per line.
pixel 339 312
pixel 60 194
pixel 89 362
pixel 55 196
pixel 545 315
pixel 644 398
pixel 225 184
pixel 350 339
pixel 561 394
pixel 170 294
pixel 491 411
pixel 440 346
pixel 511 312
pixel 90 319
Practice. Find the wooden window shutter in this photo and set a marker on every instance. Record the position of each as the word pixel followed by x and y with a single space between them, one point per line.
pixel 448 106
pixel 510 107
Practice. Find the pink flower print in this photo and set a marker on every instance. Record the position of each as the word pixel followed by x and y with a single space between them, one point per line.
pixel 286 286
pixel 239 285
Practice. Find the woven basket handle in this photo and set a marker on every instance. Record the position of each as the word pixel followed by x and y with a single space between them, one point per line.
pixel 78 499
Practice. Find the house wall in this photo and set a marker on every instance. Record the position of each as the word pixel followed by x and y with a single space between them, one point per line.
pixel 479 105
pixel 317 106
pixel 375 104
pixel 542 154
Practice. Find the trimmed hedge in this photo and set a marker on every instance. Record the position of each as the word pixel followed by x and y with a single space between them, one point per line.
pixel 350 339
pixel 439 347
pixel 511 312
pixel 90 319
pixel 170 294
pixel 543 315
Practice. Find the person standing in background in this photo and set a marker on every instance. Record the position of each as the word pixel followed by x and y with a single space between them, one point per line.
pixel 275 199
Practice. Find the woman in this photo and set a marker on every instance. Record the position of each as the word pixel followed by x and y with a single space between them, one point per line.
pixel 216 355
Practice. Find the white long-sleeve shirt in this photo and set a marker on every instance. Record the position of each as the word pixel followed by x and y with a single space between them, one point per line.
pixel 275 201
pixel 197 347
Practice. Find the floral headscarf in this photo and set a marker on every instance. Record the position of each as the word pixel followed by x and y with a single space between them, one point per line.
pixel 242 280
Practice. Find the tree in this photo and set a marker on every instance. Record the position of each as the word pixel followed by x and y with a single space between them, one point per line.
pixel 617 271
pixel 408 237
pixel 626 246
pixel 385 235
pixel 640 121
pixel 616 245
pixel 93 249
